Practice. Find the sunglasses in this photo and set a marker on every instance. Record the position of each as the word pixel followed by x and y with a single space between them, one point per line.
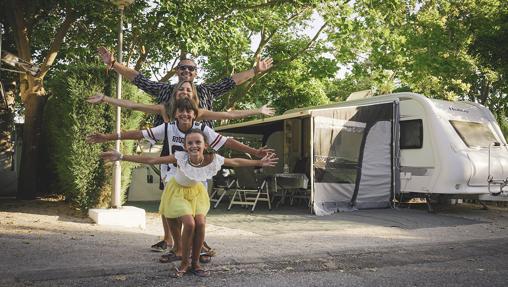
pixel 189 68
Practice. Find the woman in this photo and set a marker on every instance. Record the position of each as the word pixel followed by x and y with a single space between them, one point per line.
pixel 185 197
pixel 182 89
pixel 185 115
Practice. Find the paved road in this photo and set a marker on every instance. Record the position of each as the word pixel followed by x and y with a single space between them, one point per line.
pixel 468 263
pixel 42 244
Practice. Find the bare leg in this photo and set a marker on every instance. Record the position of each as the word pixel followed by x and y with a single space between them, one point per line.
pixel 187 239
pixel 199 238
pixel 175 228
pixel 167 231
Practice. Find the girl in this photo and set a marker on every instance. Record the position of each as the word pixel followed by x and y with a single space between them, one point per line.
pixel 185 115
pixel 185 196
pixel 184 89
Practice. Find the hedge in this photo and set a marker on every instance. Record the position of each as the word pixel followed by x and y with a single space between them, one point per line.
pixel 74 167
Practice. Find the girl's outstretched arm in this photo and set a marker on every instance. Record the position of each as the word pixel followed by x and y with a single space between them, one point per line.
pixel 148 109
pixel 236 145
pixel 267 160
pixel 114 156
pixel 235 114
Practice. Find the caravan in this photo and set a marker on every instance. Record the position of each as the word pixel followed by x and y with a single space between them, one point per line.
pixel 368 152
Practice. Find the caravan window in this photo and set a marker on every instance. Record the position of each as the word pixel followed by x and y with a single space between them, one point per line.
pixel 411 134
pixel 474 134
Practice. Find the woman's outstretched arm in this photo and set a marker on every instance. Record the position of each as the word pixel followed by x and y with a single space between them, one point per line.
pixel 148 109
pixel 235 114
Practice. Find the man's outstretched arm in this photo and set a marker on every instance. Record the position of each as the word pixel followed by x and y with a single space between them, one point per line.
pixel 261 67
pixel 151 87
pixel 110 61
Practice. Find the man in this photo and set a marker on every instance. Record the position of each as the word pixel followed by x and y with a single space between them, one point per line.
pixel 185 70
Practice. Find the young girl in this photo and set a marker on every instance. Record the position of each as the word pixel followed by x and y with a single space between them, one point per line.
pixel 181 90
pixel 185 115
pixel 185 196
pixel 184 89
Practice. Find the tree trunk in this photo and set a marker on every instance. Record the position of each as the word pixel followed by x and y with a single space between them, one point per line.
pixel 28 181
pixel 238 93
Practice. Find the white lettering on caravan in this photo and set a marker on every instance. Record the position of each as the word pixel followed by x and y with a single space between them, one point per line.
pixel 458 109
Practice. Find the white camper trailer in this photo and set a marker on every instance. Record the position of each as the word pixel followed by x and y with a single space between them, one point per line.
pixel 365 153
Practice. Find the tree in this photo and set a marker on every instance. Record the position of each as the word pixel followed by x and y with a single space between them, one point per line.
pixel 31 86
pixel 39 30
pixel 443 49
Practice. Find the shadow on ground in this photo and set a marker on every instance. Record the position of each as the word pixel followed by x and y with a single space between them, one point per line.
pixel 288 219
pixel 47 206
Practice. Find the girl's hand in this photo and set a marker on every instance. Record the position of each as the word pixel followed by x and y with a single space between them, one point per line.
pixel 111 155
pixel 106 56
pixel 263 151
pixel 95 99
pixel 269 160
pixel 96 138
pixel 266 110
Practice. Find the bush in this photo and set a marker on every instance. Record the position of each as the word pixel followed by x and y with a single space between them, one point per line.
pixel 75 168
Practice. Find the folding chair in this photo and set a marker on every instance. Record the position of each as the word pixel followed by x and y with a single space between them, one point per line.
pixel 222 185
pixel 302 191
pixel 251 187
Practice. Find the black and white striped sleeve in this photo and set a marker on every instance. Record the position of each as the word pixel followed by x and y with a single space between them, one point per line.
pixel 218 89
pixel 156 89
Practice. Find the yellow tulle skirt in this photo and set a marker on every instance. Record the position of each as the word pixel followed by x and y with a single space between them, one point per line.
pixel 177 200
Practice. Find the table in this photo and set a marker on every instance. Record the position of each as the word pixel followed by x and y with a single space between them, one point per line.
pixel 288 181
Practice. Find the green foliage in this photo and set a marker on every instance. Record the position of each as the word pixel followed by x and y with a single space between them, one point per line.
pixel 78 172
pixel 451 50
pixel 441 48
pixel 503 124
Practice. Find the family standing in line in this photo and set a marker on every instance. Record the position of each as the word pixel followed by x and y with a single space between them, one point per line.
pixel 186 161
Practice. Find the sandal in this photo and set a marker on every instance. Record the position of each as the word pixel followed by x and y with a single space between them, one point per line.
pixel 200 272
pixel 159 246
pixel 169 257
pixel 209 250
pixel 204 257
pixel 177 273
pixel 206 253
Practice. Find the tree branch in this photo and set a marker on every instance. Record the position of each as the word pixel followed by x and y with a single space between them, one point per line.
pixel 267 4
pixel 21 30
pixel 131 48
pixel 142 58
pixel 295 55
pixel 70 18
pixel 229 13
pixel 172 72
pixel 247 86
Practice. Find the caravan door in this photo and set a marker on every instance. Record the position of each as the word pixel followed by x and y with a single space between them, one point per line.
pixel 355 157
